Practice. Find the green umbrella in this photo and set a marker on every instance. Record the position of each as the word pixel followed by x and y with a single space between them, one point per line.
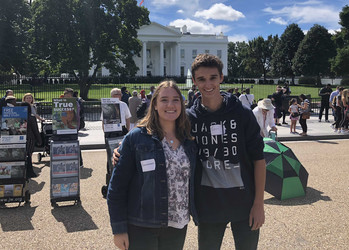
pixel 286 176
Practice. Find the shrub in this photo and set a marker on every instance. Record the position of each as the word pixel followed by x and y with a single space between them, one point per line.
pixel 306 80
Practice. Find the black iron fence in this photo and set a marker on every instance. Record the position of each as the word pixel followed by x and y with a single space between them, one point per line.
pixel 92 109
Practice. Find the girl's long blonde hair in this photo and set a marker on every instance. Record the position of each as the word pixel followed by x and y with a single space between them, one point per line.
pixel 151 120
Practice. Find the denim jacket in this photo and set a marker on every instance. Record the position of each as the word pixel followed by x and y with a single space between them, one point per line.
pixel 137 194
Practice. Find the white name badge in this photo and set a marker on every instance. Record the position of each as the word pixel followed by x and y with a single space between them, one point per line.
pixel 148 165
pixel 216 129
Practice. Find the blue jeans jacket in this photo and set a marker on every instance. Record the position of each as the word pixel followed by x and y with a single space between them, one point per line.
pixel 140 197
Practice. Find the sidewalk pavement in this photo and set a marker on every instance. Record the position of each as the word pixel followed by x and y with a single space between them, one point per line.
pixel 92 137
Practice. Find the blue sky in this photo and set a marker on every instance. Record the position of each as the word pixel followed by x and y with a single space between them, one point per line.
pixel 243 20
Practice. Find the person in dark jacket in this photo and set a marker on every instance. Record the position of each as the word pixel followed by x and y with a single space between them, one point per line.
pixel 33 137
pixel 325 93
pixel 148 195
pixel 230 176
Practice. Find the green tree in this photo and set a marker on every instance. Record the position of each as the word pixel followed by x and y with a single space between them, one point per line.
pixel 237 54
pixel 260 54
pixel 76 36
pixel 285 51
pixel 314 53
pixel 14 21
pixel 340 64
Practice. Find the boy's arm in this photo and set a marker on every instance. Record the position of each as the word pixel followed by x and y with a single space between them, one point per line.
pixel 257 215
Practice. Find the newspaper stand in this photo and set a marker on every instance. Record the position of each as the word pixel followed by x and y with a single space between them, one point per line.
pixel 13 157
pixel 64 152
pixel 114 131
pixel 65 181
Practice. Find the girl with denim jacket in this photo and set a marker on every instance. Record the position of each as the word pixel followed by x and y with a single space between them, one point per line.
pixel 148 195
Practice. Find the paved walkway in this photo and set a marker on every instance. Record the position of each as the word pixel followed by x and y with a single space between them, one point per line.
pixel 93 138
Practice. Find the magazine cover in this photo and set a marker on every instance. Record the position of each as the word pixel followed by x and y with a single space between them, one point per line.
pixel 64 116
pixel 12 170
pixel 17 190
pixel 64 168
pixel 8 191
pixel 14 124
pixel 112 143
pixel 111 114
pixel 12 152
pixel 65 150
pixel 64 187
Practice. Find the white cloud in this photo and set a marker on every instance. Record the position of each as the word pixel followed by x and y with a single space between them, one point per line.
pixel 307 14
pixel 196 27
pixel 278 20
pixel 238 38
pixel 220 11
pixel 187 6
pixel 180 11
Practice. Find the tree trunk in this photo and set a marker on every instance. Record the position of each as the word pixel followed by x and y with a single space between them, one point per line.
pixel 318 81
pixel 292 81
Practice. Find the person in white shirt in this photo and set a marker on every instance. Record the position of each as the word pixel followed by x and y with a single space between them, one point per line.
pixel 247 98
pixel 264 113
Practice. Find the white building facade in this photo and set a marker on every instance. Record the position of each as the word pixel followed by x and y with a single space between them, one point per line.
pixel 170 51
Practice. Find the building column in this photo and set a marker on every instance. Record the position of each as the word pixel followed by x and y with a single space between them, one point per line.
pixel 161 58
pixel 144 59
pixel 178 60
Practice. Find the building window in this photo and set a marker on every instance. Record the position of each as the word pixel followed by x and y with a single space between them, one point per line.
pixel 207 51
pixel 148 53
pixel 165 71
pixel 182 71
pixel 219 53
pixel 182 54
pixel 164 53
pixel 194 53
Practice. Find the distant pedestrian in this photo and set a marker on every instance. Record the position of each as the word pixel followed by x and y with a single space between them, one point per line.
pixel 325 94
pixel 152 89
pixel 338 109
pixel 3 103
pixel 294 115
pixel 29 98
pixel 264 113
pixel 191 96
pixel 304 109
pixel 277 101
pixel 133 102
pixel 343 124
pixel 125 95
pixel 236 92
pixel 247 99
pixel 332 104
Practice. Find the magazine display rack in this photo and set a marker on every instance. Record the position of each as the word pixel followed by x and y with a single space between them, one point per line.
pixel 113 122
pixel 111 144
pixel 65 152
pixel 65 181
pixel 13 157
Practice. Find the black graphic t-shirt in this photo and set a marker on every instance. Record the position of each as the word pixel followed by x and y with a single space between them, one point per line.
pixel 229 141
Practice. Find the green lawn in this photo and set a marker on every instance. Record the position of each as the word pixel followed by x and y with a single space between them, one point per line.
pixel 97 91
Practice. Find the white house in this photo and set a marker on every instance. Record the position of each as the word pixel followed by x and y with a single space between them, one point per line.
pixel 169 51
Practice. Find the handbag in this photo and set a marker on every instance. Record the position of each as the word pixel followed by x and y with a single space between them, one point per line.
pixel 295 114
pixel 306 115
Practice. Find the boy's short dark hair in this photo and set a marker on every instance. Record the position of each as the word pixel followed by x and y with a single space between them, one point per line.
pixel 206 60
